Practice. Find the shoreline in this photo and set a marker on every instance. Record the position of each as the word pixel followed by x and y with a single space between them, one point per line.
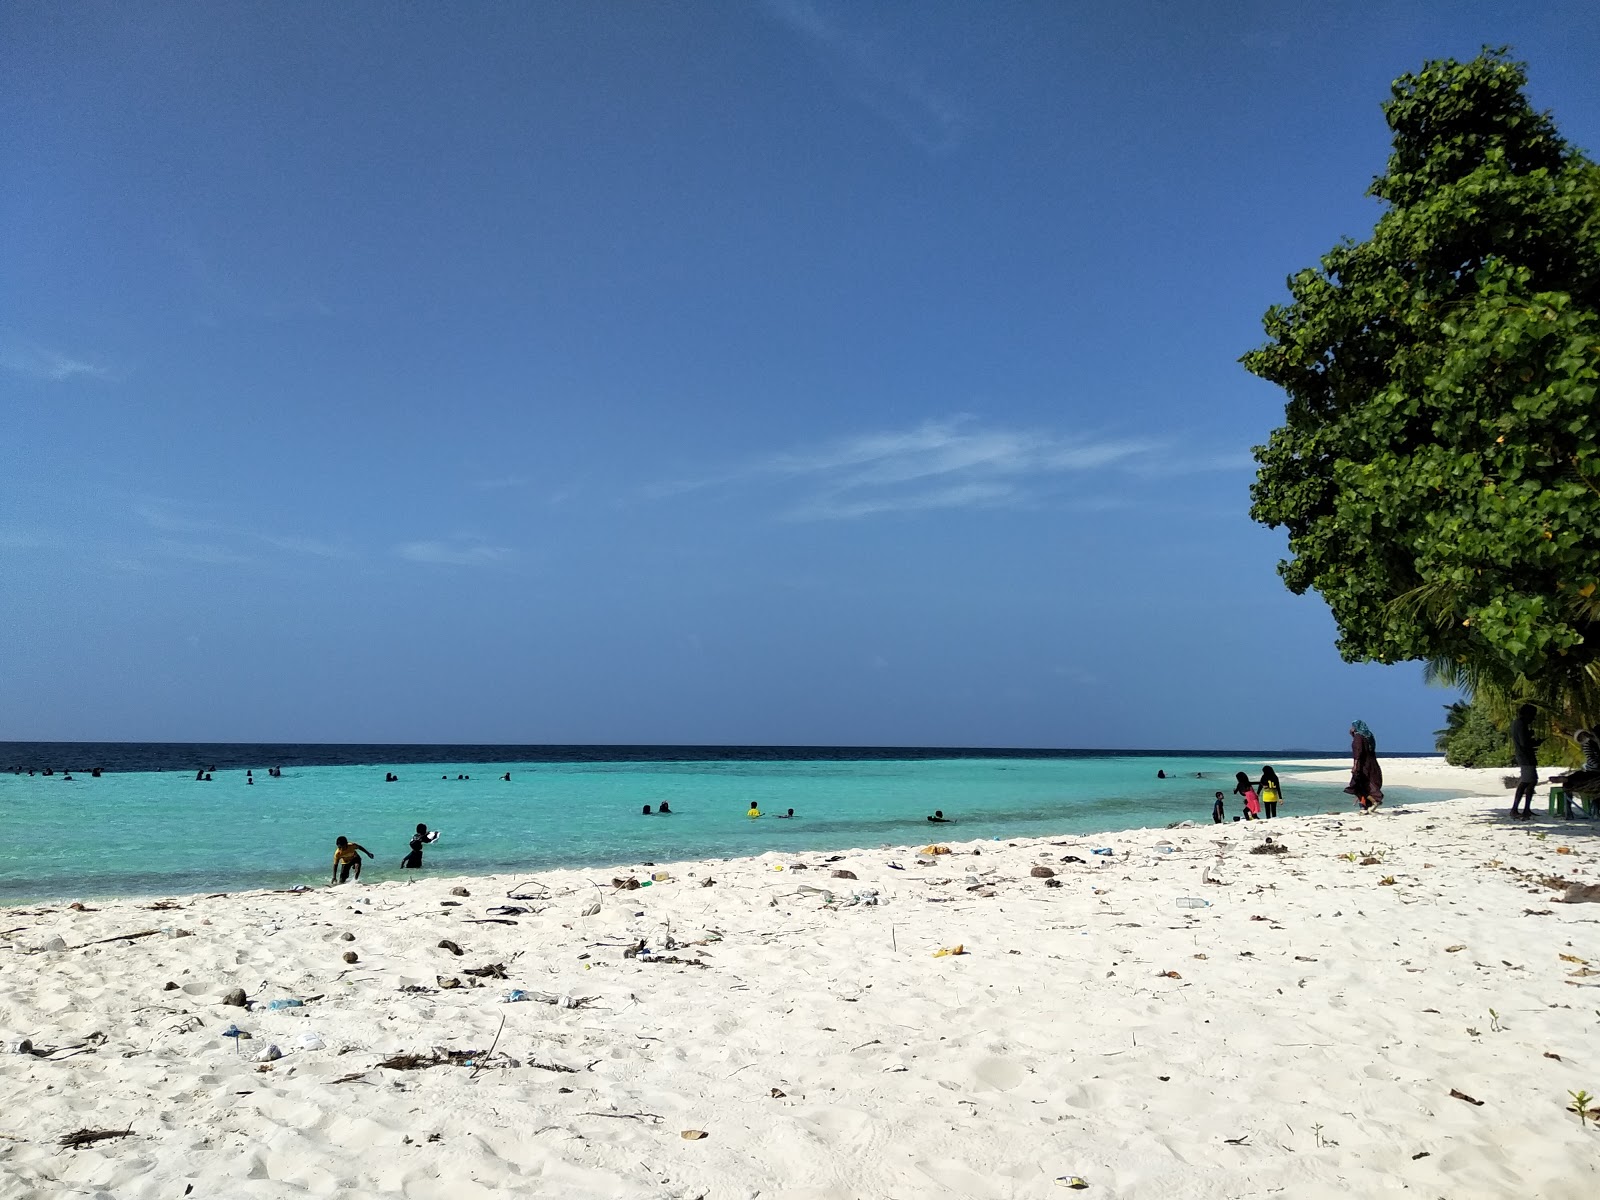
pixel 290 878
pixel 1316 1011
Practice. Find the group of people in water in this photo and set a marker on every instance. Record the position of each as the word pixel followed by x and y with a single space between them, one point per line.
pixel 347 854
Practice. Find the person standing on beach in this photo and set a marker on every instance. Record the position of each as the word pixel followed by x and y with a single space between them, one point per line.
pixel 346 855
pixel 1523 747
pixel 413 859
pixel 1366 775
pixel 1269 778
pixel 1218 810
pixel 1269 796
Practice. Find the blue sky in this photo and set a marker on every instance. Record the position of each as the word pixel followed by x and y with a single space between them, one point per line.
pixel 788 372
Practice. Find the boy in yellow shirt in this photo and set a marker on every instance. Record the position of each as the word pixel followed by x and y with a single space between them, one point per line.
pixel 347 855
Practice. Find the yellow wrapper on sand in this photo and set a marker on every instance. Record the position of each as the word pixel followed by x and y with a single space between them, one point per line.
pixel 940 953
pixel 936 849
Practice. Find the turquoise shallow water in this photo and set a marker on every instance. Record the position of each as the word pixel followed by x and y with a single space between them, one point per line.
pixel 143 833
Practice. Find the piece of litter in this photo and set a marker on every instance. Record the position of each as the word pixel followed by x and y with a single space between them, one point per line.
pixel 693 1135
pixel 949 950
pixel 1076 1182
pixel 1467 1098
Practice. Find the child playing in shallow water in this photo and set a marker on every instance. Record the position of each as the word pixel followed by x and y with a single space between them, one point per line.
pixel 422 837
pixel 347 855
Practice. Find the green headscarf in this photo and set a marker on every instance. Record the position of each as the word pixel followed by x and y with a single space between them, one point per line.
pixel 1361 728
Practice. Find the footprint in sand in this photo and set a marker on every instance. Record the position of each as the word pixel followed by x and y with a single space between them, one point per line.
pixel 998 1074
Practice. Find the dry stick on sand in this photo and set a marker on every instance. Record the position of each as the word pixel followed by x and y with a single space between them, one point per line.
pixel 656 1117
pixel 478 1066
pixel 88 1137
pixel 121 937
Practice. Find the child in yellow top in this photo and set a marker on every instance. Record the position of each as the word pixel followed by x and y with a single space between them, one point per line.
pixel 755 810
pixel 347 855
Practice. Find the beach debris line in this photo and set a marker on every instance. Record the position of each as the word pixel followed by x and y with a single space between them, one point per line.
pixel 519 995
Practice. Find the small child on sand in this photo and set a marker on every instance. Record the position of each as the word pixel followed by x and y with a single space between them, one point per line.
pixel 1218 810
pixel 346 854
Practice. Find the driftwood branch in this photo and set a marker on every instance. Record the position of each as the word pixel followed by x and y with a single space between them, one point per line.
pixel 655 1118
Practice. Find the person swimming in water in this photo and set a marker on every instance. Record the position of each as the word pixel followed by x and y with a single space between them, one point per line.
pixel 646 811
pixel 785 816
pixel 347 857
pixel 939 818
pixel 665 810
pixel 755 810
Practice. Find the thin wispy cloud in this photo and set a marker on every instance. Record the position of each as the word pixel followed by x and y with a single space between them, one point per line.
pixel 207 555
pixel 455 553
pixel 164 516
pixel 504 483
pixel 24 539
pixel 844 507
pixel 949 464
pixel 877 75
pixel 22 357
pixel 304 545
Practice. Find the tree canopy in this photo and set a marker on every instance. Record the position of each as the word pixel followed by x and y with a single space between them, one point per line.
pixel 1438 468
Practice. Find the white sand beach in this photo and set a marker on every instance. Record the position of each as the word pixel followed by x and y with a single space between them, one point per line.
pixel 1324 1026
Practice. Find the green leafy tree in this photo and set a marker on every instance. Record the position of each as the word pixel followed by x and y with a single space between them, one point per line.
pixel 1471 738
pixel 1438 469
